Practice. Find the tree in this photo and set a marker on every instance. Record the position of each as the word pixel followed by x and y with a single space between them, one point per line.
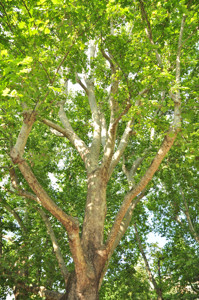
pixel 131 61
pixel 175 211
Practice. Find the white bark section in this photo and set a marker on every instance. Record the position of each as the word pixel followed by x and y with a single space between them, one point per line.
pixel 96 143
pixel 104 133
pixel 69 133
pixel 122 146
pixel 29 119
pixel 113 104
pixel 55 244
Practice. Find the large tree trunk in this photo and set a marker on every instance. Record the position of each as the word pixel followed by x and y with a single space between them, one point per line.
pixel 95 212
pixel 86 285
pixel 87 292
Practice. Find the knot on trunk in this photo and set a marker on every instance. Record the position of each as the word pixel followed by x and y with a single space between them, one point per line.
pixel 29 117
pixel 16 157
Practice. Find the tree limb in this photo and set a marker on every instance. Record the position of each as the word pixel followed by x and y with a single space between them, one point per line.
pixel 149 32
pixel 15 215
pixel 110 144
pixel 148 269
pixel 55 244
pixel 165 147
pixel 96 122
pixel 121 232
pixel 71 224
pixel 69 133
pixel 47 223
pixel 191 227
pixel 42 292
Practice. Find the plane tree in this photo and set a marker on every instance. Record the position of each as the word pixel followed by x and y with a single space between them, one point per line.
pixel 133 64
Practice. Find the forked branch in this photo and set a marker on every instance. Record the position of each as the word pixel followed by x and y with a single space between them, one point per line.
pixel 71 224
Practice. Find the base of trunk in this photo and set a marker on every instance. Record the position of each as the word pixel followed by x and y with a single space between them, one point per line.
pixel 89 292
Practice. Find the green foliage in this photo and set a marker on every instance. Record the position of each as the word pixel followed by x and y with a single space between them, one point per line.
pixel 43 45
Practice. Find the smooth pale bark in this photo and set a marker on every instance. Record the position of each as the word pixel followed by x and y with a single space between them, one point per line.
pixel 95 211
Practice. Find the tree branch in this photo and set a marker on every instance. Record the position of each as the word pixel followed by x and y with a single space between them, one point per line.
pixel 81 83
pixel 50 231
pixel 148 269
pixel 110 144
pixel 42 292
pixel 191 227
pixel 71 224
pixel 15 215
pixel 149 32
pixel 55 244
pixel 69 133
pixel 96 143
pixel 165 147
pixel 121 232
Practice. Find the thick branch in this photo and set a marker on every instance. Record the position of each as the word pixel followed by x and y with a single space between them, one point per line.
pixel 42 292
pixel 96 122
pixel 122 146
pixel 72 137
pixel 70 223
pixel 50 231
pixel 165 147
pixel 29 119
pixel 122 230
pixel 110 144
